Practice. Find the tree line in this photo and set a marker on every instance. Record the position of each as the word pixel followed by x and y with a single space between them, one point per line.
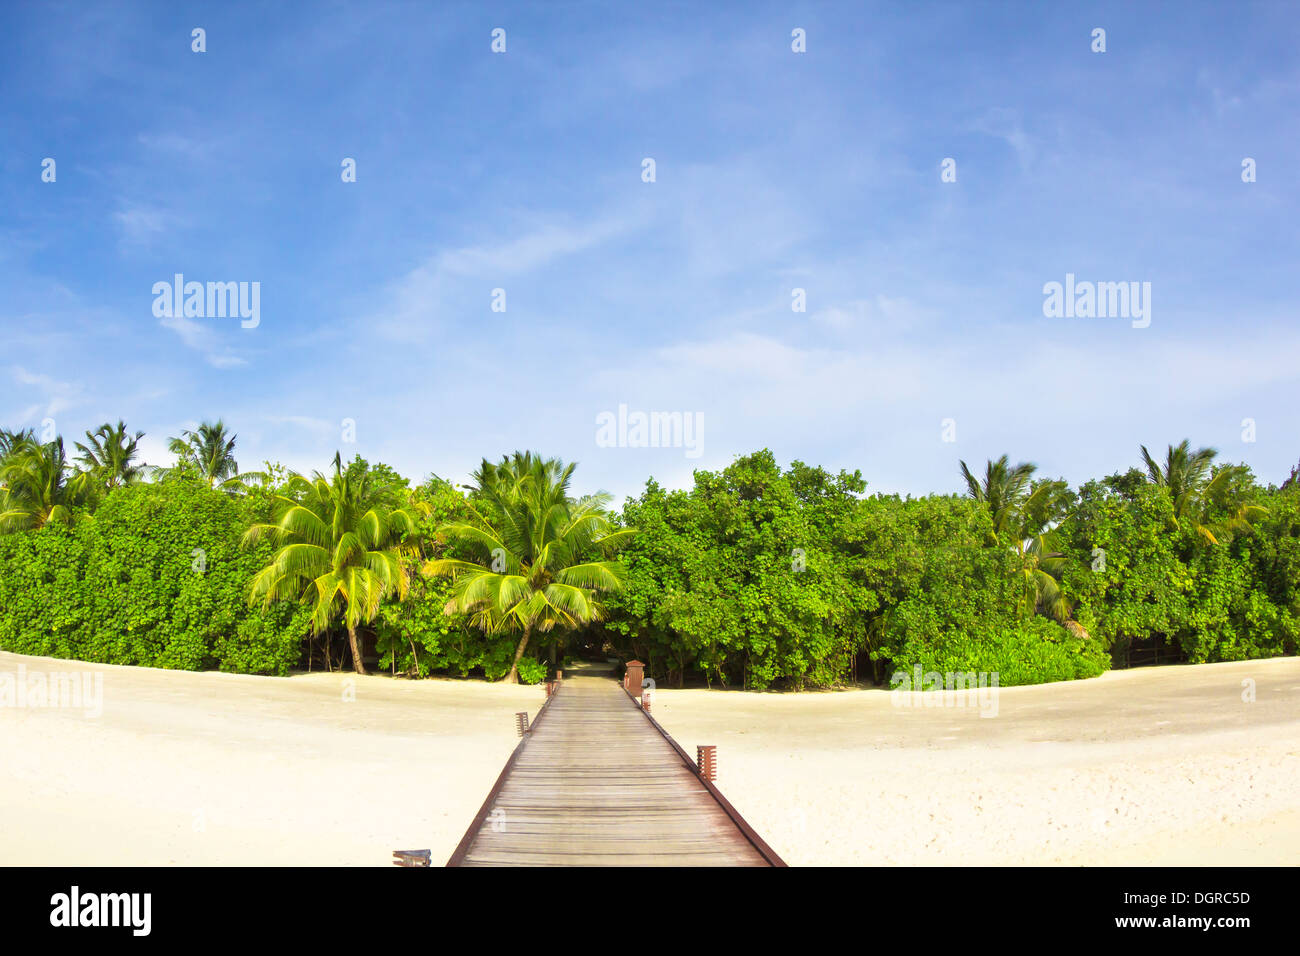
pixel 756 576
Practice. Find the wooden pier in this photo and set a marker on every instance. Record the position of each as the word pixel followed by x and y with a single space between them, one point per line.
pixel 596 781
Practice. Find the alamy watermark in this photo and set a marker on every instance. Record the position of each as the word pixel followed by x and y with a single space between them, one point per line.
pixel 952 689
pixel 651 430
pixel 83 690
pixel 213 300
pixel 128 910
pixel 1093 300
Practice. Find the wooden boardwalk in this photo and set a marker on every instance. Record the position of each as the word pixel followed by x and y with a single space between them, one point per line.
pixel 597 782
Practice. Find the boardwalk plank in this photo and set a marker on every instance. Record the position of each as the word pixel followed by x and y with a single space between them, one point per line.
pixel 594 783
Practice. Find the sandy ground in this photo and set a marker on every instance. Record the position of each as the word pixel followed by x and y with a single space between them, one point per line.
pixel 219 769
pixel 1164 766
pixel 1159 765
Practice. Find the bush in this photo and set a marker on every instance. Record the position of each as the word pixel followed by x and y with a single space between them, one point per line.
pixel 1033 651
pixel 156 578
pixel 755 576
pixel 531 670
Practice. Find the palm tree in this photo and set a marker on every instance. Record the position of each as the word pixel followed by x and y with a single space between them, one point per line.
pixel 209 451
pixel 537 549
pixel 1184 473
pixel 339 550
pixel 1025 515
pixel 110 456
pixel 9 440
pixel 1002 492
pixel 1197 489
pixel 35 488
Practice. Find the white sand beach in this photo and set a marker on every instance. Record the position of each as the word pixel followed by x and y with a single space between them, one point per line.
pixel 1160 765
pixel 221 769
pixel 1153 766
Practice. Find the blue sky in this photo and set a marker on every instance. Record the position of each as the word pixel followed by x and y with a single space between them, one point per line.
pixel 775 170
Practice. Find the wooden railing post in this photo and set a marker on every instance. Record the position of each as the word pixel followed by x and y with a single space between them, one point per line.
pixel 633 678
pixel 706 760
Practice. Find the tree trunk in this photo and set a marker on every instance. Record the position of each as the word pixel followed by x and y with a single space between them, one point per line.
pixel 357 664
pixel 513 676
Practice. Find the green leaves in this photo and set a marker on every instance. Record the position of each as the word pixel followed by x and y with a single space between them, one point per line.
pixel 123 589
pixel 532 549
pixel 35 486
pixel 339 548
pixel 754 576
pixel 712 583
pixel 209 453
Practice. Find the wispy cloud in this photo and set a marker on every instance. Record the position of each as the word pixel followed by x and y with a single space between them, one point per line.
pixel 415 305
pixel 141 225
pixel 203 339
pixel 775 170
pixel 57 396
pixel 1006 124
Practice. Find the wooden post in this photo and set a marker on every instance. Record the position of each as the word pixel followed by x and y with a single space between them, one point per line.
pixel 633 678
pixel 706 759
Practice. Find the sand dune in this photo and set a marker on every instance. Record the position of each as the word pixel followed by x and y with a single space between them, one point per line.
pixel 1164 765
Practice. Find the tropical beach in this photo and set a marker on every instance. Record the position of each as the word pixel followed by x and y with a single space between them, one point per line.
pixel 596 435
pixel 1164 766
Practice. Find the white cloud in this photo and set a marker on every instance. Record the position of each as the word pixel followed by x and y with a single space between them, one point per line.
pixel 527 252
pixel 882 400
pixel 58 396
pixel 140 225
pixel 414 304
pixel 1005 124
pixel 203 339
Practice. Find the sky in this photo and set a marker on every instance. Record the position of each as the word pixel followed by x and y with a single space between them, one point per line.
pixel 923 339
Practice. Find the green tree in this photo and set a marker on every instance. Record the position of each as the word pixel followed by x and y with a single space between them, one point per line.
pixel 35 485
pixel 1025 514
pixel 535 549
pixel 749 576
pixel 9 440
pixel 339 550
pixel 158 579
pixel 209 452
pixel 110 456
pixel 1201 493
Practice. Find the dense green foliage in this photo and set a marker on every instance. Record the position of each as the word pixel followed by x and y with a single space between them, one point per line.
pixel 340 548
pixel 416 636
pixel 156 578
pixel 755 576
pixel 758 577
pixel 539 558
pixel 1235 599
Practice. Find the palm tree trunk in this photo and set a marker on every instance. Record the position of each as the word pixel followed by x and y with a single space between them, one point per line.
pixel 513 676
pixel 357 664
